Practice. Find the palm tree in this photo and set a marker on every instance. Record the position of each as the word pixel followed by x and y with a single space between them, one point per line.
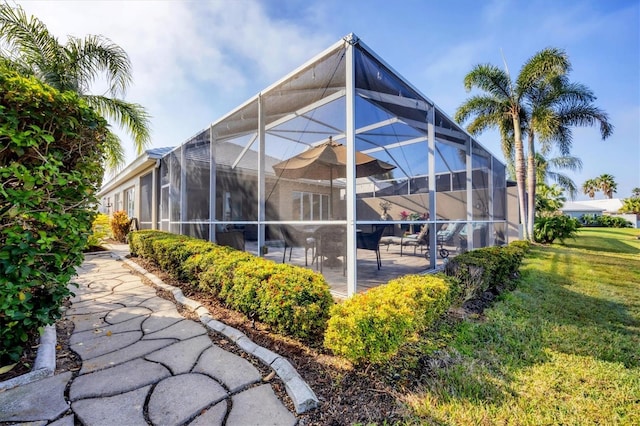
pixel 635 193
pixel 545 172
pixel 590 187
pixel 32 50
pixel 504 106
pixel 607 185
pixel 554 106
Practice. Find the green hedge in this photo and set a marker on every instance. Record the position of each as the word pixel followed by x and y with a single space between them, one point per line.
pixel 486 269
pixel 290 299
pixel 51 153
pixel 372 326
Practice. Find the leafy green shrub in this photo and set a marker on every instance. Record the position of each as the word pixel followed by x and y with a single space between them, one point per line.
pixel 372 326
pixel 292 300
pixel 548 229
pixel 486 269
pixel 605 221
pixel 120 225
pixel 100 230
pixel 50 169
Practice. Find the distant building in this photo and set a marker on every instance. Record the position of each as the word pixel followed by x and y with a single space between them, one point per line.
pixel 608 206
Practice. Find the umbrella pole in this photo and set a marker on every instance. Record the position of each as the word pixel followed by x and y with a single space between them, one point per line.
pixel 330 193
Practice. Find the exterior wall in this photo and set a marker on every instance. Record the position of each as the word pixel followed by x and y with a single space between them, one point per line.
pixel 118 191
pixel 514 228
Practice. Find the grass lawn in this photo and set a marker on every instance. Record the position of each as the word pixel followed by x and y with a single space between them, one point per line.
pixel 563 348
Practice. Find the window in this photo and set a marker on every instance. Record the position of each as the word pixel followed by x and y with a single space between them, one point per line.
pixel 310 206
pixel 116 202
pixel 129 202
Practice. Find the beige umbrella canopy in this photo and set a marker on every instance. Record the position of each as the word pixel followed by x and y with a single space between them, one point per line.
pixel 328 161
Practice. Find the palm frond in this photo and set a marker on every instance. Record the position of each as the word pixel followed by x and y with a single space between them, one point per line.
pixel 28 39
pixel 131 117
pixel 114 153
pixel 543 66
pixel 95 54
pixel 490 79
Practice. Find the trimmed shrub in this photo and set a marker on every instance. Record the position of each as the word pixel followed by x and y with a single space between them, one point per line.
pixel 50 169
pixel 120 225
pixel 372 326
pixel 290 299
pixel 548 229
pixel 486 269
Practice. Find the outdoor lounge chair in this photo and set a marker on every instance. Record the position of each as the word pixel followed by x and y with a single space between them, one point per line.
pixel 371 241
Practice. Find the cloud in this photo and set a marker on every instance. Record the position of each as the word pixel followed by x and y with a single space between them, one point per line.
pixel 192 61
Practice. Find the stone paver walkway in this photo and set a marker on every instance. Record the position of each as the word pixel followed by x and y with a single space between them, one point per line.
pixel 142 363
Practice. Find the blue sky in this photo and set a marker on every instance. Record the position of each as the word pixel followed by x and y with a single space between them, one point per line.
pixel 193 61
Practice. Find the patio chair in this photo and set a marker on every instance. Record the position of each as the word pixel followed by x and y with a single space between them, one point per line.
pixel 294 238
pixel 416 240
pixel 330 244
pixel 371 241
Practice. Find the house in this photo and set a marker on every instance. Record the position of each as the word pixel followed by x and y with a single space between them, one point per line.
pixel 607 206
pixel 402 152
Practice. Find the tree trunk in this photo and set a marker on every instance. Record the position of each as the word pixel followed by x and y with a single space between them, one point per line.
pixel 531 184
pixel 520 173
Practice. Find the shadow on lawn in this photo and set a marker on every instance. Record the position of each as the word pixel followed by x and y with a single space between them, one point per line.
pixel 543 313
pixel 609 245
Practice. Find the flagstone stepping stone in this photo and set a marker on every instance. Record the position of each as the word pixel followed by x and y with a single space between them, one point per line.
pixel 134 324
pixel 233 371
pixel 93 348
pixel 126 313
pixel 182 356
pixel 121 378
pixel 181 330
pixel 124 409
pixel 137 350
pixel 259 406
pixel 161 320
pixel 169 404
pixel 36 401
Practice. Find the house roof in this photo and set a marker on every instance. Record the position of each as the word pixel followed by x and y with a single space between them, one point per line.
pixel 606 205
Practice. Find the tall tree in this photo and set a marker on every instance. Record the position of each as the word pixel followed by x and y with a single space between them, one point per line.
pixel 590 187
pixel 607 185
pixel 541 106
pixel 554 107
pixel 635 192
pixel 504 106
pixel 32 50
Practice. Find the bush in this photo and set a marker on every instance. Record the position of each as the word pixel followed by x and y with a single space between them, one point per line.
pixel 605 221
pixel 488 269
pixel 100 230
pixel 372 326
pixel 548 229
pixel 120 225
pixel 50 169
pixel 290 299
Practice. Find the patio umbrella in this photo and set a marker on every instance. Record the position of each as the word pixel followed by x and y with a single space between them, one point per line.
pixel 328 161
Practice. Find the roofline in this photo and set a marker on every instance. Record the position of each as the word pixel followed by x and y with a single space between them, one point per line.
pixel 140 163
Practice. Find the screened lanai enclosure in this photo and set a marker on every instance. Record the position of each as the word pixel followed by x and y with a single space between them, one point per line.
pixel 342 166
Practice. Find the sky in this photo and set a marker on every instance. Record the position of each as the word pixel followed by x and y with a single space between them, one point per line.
pixel 194 61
